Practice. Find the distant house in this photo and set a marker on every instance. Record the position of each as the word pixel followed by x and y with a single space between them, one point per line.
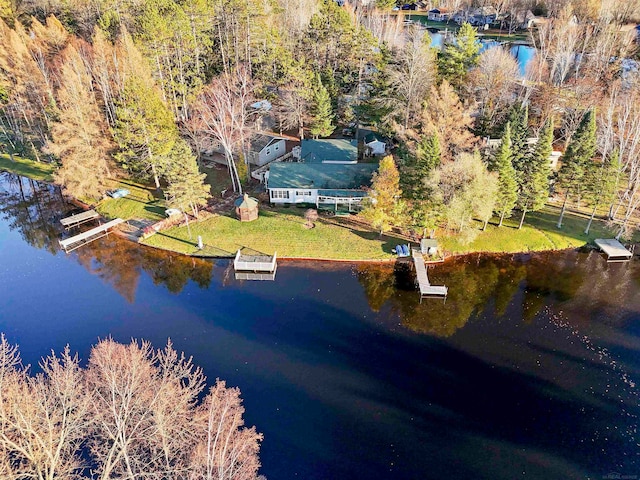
pixel 329 150
pixel 323 184
pixel 265 148
pixel 375 144
pixel 439 15
pixel 479 17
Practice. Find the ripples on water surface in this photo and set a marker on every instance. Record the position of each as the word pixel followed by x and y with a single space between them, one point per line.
pixel 529 369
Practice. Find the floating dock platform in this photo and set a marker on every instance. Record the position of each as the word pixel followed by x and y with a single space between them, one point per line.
pixel 255 267
pixel 614 250
pixel 79 219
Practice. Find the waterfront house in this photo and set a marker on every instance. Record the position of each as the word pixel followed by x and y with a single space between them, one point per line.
pixel 328 185
pixel 265 148
pixel 439 15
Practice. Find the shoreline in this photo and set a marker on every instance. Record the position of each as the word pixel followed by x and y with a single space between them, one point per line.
pixel 320 259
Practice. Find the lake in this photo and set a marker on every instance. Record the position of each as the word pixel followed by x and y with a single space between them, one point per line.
pixel 528 370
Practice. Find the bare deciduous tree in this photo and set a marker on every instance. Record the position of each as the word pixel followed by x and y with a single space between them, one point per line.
pixel 493 83
pixel 223 114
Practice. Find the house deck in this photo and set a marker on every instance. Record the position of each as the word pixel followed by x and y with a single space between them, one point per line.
pixel 615 251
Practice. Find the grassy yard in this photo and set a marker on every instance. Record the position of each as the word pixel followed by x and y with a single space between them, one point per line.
pixel 283 231
pixel 27 168
pixel 139 204
pixel 280 231
pixel 539 232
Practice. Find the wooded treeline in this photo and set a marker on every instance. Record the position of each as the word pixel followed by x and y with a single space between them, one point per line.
pixel 132 412
pixel 143 88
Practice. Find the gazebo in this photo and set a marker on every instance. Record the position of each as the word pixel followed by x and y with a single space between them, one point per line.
pixel 246 208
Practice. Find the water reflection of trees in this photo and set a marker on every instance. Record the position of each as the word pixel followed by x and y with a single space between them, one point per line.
pixel 120 262
pixel 517 286
pixel 34 209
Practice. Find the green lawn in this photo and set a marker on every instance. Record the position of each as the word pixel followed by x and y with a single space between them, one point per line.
pixel 539 232
pixel 27 168
pixel 139 204
pixel 280 231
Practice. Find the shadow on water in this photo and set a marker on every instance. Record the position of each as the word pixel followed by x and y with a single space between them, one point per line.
pixel 528 365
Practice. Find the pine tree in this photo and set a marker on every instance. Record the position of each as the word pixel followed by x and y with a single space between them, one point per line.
pixel 507 193
pixel 535 174
pixel 145 131
pixel 186 189
pixel 577 158
pixel 460 56
pixel 428 154
pixel 383 206
pixel 322 113
pixel 519 122
pixel 423 209
pixel 602 184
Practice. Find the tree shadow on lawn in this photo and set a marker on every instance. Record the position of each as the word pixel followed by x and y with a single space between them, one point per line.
pixel 388 242
pixel 155 208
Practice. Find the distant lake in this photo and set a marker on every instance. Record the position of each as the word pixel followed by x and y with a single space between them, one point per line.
pixel 523 53
pixel 528 370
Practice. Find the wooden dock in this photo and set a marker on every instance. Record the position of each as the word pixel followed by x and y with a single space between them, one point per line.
pixel 79 219
pixel 255 267
pixel 70 244
pixel 425 287
pixel 615 251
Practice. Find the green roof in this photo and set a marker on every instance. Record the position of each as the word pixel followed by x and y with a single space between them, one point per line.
pixel 332 149
pixel 246 202
pixel 326 176
pixel 373 137
pixel 342 193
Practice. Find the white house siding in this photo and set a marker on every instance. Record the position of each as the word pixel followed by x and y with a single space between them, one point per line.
pixel 269 153
pixel 377 147
pixel 292 195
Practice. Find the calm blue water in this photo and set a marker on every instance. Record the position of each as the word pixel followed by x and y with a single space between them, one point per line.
pixel 522 53
pixel 528 370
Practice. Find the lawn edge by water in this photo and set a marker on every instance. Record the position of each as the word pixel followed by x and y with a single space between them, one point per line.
pixel 39 171
pixel 336 241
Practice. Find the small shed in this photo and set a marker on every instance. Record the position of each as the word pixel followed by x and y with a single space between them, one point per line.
pixel 429 246
pixel 246 208
pixel 375 144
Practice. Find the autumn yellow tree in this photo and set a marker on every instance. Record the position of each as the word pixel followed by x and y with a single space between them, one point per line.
pixel 383 206
pixel 80 137
pixel 446 117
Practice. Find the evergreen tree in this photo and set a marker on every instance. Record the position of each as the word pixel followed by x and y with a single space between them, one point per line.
pixel 577 158
pixel 145 131
pixel 383 206
pixel 428 154
pixel 507 193
pixel 423 205
pixel 460 56
pixel 519 123
pixel 322 113
pixel 535 174
pixel 602 184
pixel 186 189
